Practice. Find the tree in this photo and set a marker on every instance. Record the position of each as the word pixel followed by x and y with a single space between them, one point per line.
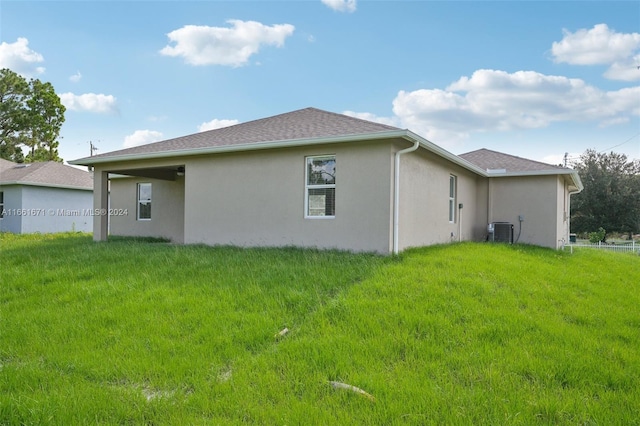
pixel 13 94
pixel 611 195
pixel 45 117
pixel 31 115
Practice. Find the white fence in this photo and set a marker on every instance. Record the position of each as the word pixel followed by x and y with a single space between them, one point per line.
pixel 631 247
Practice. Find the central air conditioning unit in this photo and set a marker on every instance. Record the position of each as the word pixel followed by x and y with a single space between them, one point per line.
pixel 500 232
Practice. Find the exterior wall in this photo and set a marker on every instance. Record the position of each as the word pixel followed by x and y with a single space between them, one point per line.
pixel 56 209
pixel 482 209
pixel 257 199
pixel 424 201
pixel 12 200
pixel 539 199
pixel 167 209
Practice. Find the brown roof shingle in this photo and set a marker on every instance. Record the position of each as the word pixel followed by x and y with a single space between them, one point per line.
pixel 48 173
pixel 5 165
pixel 493 160
pixel 307 123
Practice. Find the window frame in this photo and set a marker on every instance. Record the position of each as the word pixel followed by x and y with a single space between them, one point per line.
pixel 453 197
pixel 308 187
pixel 139 201
pixel 1 204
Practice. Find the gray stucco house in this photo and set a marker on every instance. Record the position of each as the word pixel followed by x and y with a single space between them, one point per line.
pixel 45 197
pixel 314 178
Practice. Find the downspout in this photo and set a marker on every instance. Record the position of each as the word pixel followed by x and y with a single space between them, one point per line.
pixel 489 200
pixel 459 220
pixel 396 193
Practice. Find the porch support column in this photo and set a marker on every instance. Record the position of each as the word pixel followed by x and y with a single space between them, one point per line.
pixel 100 205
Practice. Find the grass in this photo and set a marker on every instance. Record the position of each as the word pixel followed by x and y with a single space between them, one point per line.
pixel 144 332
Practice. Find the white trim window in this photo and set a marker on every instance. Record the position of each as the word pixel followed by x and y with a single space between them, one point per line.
pixel 320 187
pixel 1 204
pixel 453 190
pixel 144 201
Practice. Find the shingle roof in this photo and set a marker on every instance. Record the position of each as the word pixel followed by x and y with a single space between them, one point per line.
pixel 492 160
pixel 48 173
pixel 307 123
pixel 6 164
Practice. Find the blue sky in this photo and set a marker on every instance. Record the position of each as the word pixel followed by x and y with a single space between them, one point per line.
pixel 530 78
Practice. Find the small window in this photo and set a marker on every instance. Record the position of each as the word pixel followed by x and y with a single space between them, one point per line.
pixel 452 198
pixel 320 187
pixel 1 204
pixel 144 201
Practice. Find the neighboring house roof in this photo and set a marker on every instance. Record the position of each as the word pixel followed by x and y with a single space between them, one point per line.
pixel 304 124
pixel 48 173
pixel 6 164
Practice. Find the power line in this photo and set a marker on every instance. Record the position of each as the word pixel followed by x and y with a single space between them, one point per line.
pixel 620 144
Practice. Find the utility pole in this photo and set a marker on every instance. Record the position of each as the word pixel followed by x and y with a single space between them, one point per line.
pixel 93 148
pixel 566 156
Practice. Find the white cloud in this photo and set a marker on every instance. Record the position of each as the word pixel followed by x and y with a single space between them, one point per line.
pixel 390 121
pixel 493 100
pixel 203 45
pixel 19 58
pixel 625 70
pixel 76 77
pixel 141 137
pixel 341 5
pixel 216 124
pixel 90 102
pixel 601 46
pixel 623 100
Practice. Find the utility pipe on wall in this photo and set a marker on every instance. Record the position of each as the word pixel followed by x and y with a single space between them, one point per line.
pixel 396 194
pixel 460 222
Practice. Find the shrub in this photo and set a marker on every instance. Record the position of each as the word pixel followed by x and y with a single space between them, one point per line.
pixel 599 235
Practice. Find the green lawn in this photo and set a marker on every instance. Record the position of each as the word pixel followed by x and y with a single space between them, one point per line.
pixel 141 332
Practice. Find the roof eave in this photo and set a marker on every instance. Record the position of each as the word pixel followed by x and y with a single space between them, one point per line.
pixel 430 146
pixel 577 182
pixel 87 161
pixel 400 133
pixel 46 185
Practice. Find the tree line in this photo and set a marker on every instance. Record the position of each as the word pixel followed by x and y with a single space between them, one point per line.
pixel 611 196
pixel 31 116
